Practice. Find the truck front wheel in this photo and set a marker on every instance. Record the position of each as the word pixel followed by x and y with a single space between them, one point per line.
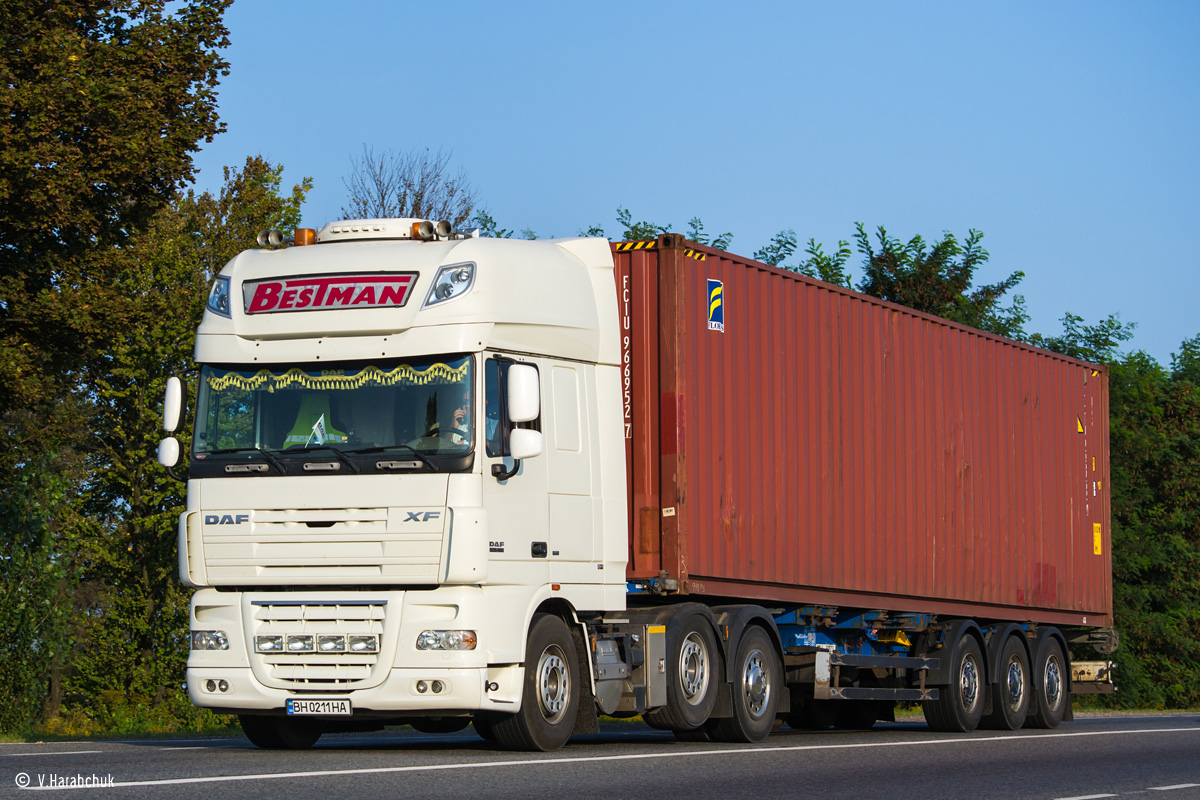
pixel 279 733
pixel 550 699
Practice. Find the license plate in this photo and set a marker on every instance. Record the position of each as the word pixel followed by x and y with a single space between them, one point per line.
pixel 324 708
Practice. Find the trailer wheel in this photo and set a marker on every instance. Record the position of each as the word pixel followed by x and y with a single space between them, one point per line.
pixel 279 733
pixel 857 715
pixel 808 714
pixel 1010 694
pixel 692 684
pixel 550 699
pixel 959 706
pixel 757 681
pixel 1050 692
pixel 439 724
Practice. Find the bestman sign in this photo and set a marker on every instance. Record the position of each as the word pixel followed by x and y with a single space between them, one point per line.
pixel 324 292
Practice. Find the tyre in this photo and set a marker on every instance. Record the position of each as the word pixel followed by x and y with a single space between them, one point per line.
pixel 857 715
pixel 1011 691
pixel 692 682
pixel 757 681
pixel 482 723
pixel 550 698
pixel 279 733
pixel 812 715
pixel 701 734
pixel 440 724
pixel 959 706
pixel 1050 690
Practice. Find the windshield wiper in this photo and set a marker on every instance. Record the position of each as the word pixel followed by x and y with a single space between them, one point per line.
pixel 420 456
pixel 342 457
pixel 275 462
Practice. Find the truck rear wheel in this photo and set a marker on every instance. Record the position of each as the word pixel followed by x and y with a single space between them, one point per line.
pixel 550 699
pixel 1010 693
pixel 757 682
pixel 692 683
pixel 1050 692
pixel 959 706
pixel 279 733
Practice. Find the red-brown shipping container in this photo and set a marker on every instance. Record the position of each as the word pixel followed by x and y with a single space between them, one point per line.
pixel 791 441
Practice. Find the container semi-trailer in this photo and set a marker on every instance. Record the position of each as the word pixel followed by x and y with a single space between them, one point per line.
pixel 443 480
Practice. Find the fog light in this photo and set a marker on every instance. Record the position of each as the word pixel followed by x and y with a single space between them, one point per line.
pixel 210 640
pixel 211 685
pixel 300 643
pixel 447 640
pixel 363 644
pixel 268 644
pixel 223 685
pixel 331 644
pixel 437 687
pixel 422 687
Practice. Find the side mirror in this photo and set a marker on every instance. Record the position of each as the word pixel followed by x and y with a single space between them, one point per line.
pixel 524 393
pixel 524 443
pixel 168 451
pixel 172 410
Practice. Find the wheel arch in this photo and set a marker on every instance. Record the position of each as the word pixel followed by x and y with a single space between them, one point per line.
pixel 733 621
pixel 995 648
pixel 935 645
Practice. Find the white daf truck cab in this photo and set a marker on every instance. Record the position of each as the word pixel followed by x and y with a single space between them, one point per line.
pixel 407 469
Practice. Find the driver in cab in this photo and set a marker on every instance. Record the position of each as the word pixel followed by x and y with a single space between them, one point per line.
pixel 456 433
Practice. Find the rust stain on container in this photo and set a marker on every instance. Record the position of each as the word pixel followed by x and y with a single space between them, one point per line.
pixel 821 446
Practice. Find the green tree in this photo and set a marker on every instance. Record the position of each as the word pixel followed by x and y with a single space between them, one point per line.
pixel 638 231
pixel 102 105
pixel 1099 343
pixel 1155 464
pixel 937 280
pixel 696 234
pixel 828 267
pixel 35 573
pixel 137 613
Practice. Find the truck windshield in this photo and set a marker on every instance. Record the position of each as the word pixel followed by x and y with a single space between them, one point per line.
pixel 423 407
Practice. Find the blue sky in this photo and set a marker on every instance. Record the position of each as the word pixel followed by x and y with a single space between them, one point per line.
pixel 1068 132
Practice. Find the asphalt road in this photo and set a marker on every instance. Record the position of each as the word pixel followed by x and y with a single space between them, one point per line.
pixel 1117 756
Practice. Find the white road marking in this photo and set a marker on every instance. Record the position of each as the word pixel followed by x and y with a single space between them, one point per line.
pixel 1169 788
pixel 1086 797
pixel 737 751
pixel 37 753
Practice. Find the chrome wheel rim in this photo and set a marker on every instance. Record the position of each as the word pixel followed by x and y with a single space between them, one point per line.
pixel 968 684
pixel 693 668
pixel 1016 685
pixel 1053 683
pixel 553 684
pixel 756 684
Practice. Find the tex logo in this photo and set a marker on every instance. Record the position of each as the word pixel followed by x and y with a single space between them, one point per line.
pixel 716 305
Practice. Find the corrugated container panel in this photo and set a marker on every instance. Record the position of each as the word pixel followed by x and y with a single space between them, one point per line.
pixel 829 448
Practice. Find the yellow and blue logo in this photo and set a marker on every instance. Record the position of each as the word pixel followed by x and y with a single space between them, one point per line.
pixel 716 305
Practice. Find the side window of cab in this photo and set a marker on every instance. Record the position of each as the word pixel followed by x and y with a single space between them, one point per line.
pixel 496 424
